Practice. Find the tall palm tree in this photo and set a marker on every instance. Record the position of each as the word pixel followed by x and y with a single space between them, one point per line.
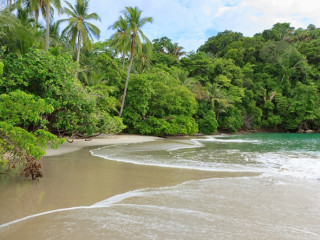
pixel 121 39
pixel 79 29
pixel 47 4
pixel 34 6
pixel 18 34
pixel 134 33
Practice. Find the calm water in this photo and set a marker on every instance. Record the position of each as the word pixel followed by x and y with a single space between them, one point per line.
pixel 281 202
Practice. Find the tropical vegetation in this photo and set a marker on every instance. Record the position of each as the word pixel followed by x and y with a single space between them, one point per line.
pixel 57 83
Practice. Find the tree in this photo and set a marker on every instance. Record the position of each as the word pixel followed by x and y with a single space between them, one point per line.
pixel 136 37
pixel 219 45
pixel 16 34
pixel 47 4
pixel 175 50
pixel 79 28
pixel 160 44
pixel 121 39
pixel 34 6
pixel 78 111
pixel 158 104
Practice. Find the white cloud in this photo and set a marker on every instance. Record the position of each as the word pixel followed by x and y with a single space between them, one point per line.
pixel 253 16
pixel 191 22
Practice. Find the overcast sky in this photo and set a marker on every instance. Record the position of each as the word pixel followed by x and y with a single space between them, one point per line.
pixel 192 22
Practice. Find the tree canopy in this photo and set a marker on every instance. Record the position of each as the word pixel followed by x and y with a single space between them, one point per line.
pixel 268 82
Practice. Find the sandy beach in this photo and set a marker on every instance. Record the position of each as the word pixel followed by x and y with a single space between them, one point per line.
pixel 73 177
pixel 101 140
pixel 82 196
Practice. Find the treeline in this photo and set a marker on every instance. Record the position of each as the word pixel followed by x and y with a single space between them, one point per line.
pixel 74 87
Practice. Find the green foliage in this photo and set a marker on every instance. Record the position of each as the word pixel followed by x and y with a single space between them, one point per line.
pixel 79 29
pixel 232 82
pixel 157 104
pixel 276 86
pixel 219 45
pixel 1 68
pixel 53 78
pixel 19 110
pixel 208 124
pixel 18 35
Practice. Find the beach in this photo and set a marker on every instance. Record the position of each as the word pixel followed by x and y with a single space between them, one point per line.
pixel 82 196
pixel 76 144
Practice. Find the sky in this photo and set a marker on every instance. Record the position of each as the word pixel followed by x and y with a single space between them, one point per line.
pixel 191 22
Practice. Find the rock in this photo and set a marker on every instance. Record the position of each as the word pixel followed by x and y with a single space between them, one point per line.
pixel 309 131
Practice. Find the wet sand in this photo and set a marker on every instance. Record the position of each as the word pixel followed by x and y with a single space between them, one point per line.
pixel 217 205
pixel 79 179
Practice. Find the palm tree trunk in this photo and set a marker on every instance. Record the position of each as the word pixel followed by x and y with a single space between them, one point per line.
pixel 11 7
pixel 47 25
pixel 126 86
pixel 123 60
pixel 79 46
pixel 128 75
pixel 36 15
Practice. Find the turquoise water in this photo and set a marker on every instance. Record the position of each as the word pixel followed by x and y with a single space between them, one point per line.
pixel 296 155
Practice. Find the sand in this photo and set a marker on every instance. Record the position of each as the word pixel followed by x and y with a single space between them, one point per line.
pixel 77 144
pixel 73 177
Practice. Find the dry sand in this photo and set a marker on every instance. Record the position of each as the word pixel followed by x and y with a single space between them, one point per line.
pixel 77 144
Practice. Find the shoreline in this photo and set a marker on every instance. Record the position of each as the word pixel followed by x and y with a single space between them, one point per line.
pixel 74 177
pixel 78 144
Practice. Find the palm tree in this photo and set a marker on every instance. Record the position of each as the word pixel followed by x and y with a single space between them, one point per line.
pixel 184 79
pixel 79 29
pixel 18 34
pixel 121 39
pixel 47 10
pixel 219 99
pixel 47 4
pixel 136 37
pixel 142 58
pixel 175 50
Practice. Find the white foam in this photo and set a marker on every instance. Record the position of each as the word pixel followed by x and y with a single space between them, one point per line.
pixel 215 139
pixel 300 164
pixel 43 213
pixel 195 144
pixel 102 204
pixel 120 197
pixel 201 166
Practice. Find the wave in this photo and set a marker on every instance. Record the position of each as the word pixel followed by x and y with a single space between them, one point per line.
pixel 215 157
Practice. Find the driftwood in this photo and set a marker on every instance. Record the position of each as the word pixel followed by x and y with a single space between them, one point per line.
pixel 81 136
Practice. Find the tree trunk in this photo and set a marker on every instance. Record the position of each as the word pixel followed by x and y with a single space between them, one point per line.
pixel 123 60
pixel 79 46
pixel 128 75
pixel 47 25
pixel 36 15
pixel 11 7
